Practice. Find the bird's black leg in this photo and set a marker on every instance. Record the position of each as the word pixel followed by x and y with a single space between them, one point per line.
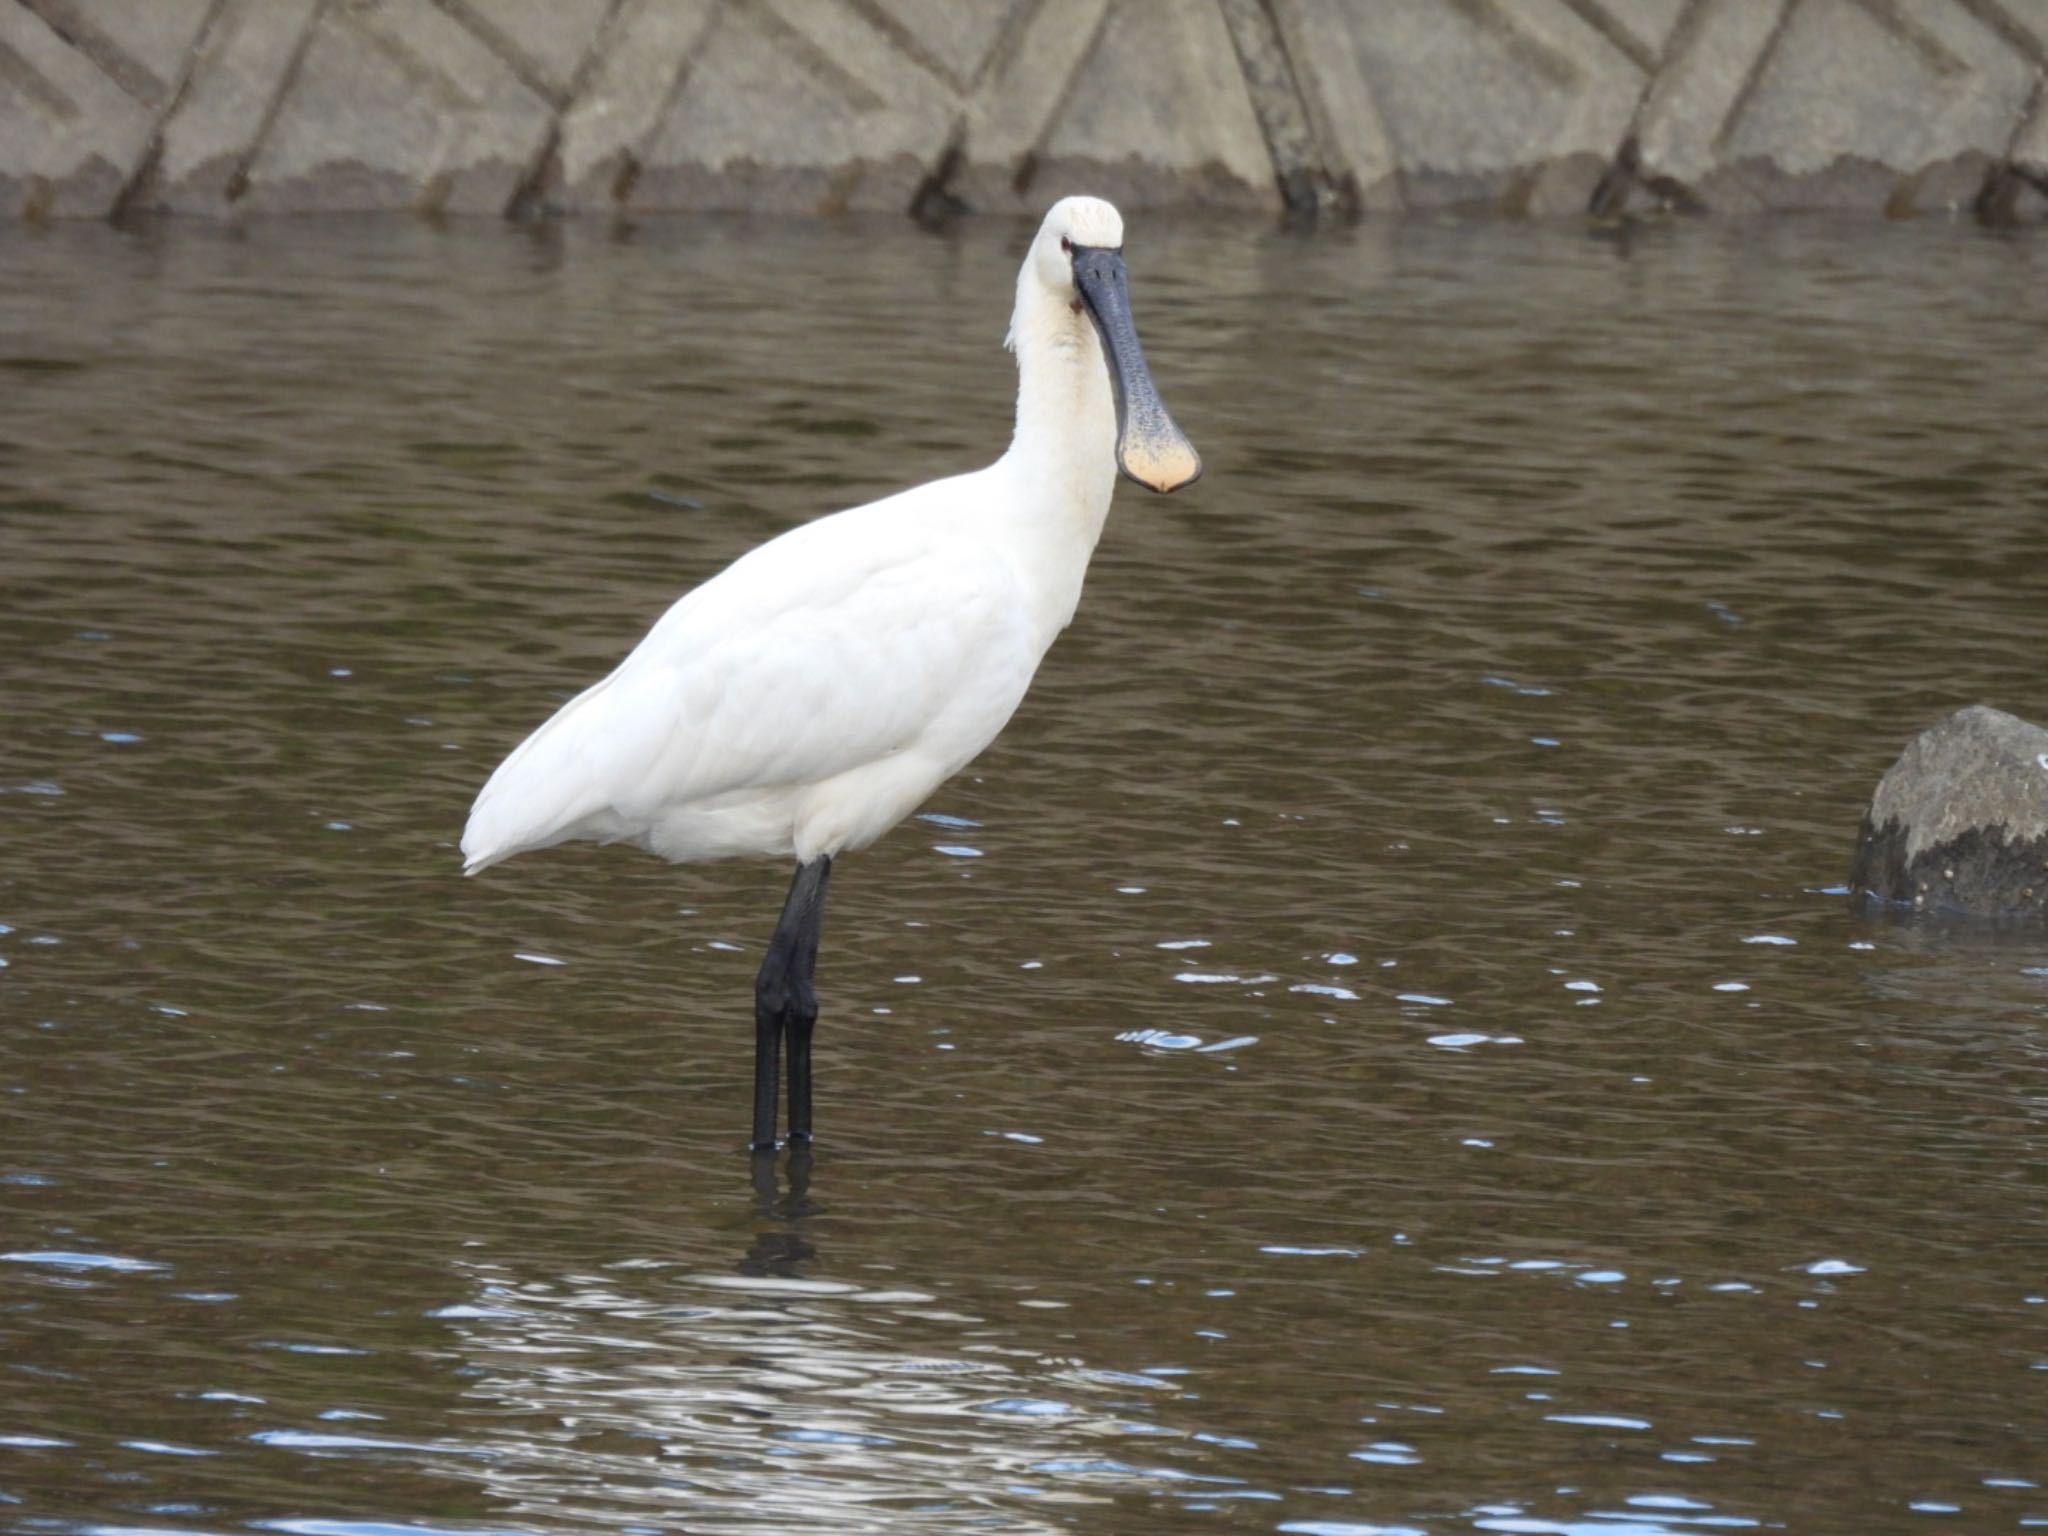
pixel 803 1013
pixel 786 1005
pixel 767 1064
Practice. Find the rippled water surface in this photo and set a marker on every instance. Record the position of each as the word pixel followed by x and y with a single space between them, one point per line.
pixel 1379 1045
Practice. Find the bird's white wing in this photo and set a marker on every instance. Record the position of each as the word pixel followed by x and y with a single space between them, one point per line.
pixel 840 642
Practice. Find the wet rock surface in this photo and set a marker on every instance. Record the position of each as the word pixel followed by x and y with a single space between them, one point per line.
pixel 1960 822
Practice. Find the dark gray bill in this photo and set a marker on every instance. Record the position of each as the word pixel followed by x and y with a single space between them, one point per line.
pixel 1150 449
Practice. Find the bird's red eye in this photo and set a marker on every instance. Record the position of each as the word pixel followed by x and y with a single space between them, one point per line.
pixel 1066 244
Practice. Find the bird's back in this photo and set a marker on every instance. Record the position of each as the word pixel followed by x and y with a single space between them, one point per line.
pixel 877 649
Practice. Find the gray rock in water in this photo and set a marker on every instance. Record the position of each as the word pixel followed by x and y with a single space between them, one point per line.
pixel 1960 822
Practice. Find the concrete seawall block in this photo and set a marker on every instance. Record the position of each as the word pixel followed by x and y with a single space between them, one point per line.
pixel 1787 104
pixel 1128 125
pixel 208 135
pixel 81 91
pixel 1015 94
pixel 1515 107
pixel 1821 125
pixel 1537 107
pixel 397 105
pixel 1704 75
pixel 799 106
pixel 630 82
pixel 1350 133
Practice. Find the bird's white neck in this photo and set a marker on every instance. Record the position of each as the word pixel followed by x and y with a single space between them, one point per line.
pixel 1065 442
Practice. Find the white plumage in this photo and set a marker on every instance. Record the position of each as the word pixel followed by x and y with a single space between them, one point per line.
pixel 812 694
pixel 801 702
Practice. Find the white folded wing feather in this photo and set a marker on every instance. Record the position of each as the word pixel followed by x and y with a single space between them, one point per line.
pixel 888 628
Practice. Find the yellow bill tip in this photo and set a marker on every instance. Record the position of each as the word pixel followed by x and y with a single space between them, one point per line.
pixel 1162 465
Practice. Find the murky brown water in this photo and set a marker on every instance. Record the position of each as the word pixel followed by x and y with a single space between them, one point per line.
pixel 1378 1046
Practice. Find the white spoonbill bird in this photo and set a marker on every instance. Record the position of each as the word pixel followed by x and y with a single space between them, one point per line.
pixel 812 694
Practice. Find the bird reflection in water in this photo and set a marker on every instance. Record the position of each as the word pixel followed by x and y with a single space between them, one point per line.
pixel 781 1196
